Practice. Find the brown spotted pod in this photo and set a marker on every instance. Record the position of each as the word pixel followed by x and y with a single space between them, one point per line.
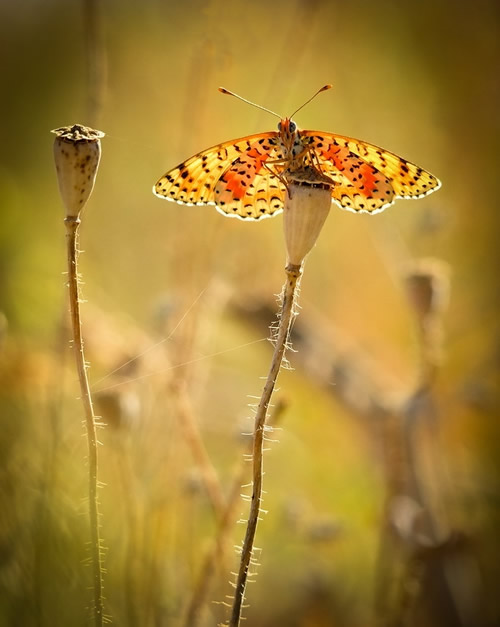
pixel 77 151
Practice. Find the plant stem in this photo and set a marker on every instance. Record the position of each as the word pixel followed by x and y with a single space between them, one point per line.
pixel 96 61
pixel 198 450
pixel 215 555
pixel 293 273
pixel 72 223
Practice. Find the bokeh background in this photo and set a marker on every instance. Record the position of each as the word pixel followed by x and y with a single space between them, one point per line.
pixel 382 487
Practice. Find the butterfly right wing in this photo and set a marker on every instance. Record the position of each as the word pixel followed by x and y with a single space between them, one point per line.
pixel 367 178
pixel 230 176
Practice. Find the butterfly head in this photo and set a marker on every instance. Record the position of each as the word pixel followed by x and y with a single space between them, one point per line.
pixel 288 133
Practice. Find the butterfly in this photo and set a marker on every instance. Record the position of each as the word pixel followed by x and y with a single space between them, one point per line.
pixel 249 178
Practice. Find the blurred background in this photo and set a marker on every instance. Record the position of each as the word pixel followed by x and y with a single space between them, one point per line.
pixel 382 482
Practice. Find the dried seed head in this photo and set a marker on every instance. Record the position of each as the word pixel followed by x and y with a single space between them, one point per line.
pixel 77 150
pixel 408 518
pixel 427 286
pixel 306 208
pixel 118 409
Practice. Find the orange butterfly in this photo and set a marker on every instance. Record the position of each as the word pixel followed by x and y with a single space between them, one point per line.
pixel 249 178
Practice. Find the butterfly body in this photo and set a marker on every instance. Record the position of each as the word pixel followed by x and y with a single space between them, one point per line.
pixel 249 178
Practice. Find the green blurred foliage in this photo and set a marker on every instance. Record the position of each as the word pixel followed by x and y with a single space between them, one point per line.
pixel 420 79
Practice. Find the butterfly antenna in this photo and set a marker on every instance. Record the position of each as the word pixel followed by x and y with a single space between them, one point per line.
pixel 223 90
pixel 324 88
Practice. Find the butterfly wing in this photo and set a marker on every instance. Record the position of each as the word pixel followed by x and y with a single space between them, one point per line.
pixel 367 178
pixel 232 176
pixel 264 198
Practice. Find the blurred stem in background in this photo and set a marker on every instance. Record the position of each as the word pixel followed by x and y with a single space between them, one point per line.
pixel 96 60
pixel 418 553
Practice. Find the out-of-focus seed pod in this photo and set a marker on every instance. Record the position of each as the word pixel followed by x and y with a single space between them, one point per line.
pixel 77 151
pixel 427 286
pixel 118 409
pixel 306 208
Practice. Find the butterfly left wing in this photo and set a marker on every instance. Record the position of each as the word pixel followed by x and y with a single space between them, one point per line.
pixel 366 178
pixel 232 176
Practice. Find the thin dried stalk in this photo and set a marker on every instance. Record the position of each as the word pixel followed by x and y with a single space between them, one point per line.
pixel 72 223
pixel 96 59
pixel 198 450
pixel 286 315
pixel 216 554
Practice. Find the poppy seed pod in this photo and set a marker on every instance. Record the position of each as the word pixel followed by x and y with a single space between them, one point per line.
pixel 427 286
pixel 77 150
pixel 306 208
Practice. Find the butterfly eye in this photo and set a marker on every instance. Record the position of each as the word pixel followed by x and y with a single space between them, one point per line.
pixel 293 126
pixel 279 127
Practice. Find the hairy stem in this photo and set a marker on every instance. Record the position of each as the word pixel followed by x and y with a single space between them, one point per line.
pixel 293 273
pixel 72 223
pixel 215 555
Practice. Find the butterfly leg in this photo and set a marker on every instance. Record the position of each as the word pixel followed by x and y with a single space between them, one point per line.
pixel 279 175
pixel 282 175
pixel 315 161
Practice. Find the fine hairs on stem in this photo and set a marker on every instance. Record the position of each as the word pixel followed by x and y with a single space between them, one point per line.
pixel 286 316
pixel 215 555
pixel 72 225
pixel 77 151
pixel 306 209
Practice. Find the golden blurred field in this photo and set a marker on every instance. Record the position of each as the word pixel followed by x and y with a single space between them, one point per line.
pixel 383 503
